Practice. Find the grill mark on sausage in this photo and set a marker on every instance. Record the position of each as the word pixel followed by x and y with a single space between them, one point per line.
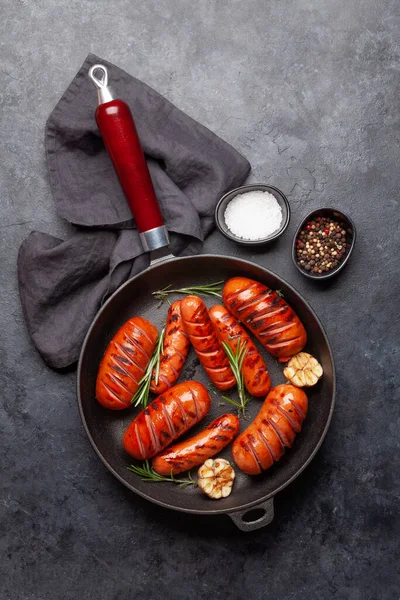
pixel 152 431
pixel 195 402
pixel 127 357
pixel 268 424
pixel 142 332
pixel 275 329
pixel 179 353
pixel 174 371
pixel 284 343
pixel 295 426
pixel 211 350
pixel 246 305
pixel 220 360
pixel 198 312
pixel 250 361
pixel 297 408
pixel 223 374
pixel 271 326
pixel 162 378
pixel 249 446
pixel 121 358
pixel 113 393
pixel 235 296
pixel 168 420
pixel 258 316
pixel 118 369
pixel 122 371
pixel 139 441
pixel 179 403
pixel 276 300
pixel 137 345
pixel 266 444
pixel 217 357
pixel 119 382
pixel 201 336
pixel 227 427
pixel 282 437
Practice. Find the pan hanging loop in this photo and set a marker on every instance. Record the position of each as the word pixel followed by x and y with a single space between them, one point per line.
pixel 104 91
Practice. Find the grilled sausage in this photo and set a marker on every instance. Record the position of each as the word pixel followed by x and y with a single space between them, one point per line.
pixel 166 418
pixel 205 342
pixel 175 350
pixel 190 453
pixel 274 428
pixel 266 315
pixel 256 376
pixel 124 362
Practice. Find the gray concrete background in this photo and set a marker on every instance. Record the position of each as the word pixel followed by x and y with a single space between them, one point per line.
pixel 309 91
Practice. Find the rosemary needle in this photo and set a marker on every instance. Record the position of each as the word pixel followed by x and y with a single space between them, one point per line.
pixel 142 393
pixel 210 289
pixel 236 359
pixel 147 473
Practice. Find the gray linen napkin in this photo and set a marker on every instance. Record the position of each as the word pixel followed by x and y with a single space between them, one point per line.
pixel 62 284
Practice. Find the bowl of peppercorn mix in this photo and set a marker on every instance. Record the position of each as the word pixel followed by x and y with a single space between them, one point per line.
pixel 323 243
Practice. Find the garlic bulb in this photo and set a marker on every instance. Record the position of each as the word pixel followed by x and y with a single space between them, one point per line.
pixel 303 370
pixel 215 478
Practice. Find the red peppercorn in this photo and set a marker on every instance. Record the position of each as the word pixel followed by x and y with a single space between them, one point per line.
pixel 308 227
pixel 326 231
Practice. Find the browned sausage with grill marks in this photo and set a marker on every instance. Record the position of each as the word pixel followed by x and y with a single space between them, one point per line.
pixel 166 418
pixel 194 451
pixel 255 373
pixel 205 342
pixel 266 315
pixel 124 363
pixel 274 429
pixel 175 350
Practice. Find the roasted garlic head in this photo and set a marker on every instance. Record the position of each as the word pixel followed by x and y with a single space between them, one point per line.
pixel 215 478
pixel 303 370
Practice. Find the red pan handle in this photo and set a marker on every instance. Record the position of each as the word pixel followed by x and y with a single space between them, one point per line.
pixel 117 128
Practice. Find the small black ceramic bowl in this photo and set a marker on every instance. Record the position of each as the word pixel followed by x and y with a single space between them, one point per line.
pixel 336 215
pixel 223 203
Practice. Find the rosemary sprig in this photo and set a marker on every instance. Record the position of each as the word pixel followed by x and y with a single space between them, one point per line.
pixel 280 293
pixel 210 289
pixel 147 473
pixel 236 359
pixel 142 394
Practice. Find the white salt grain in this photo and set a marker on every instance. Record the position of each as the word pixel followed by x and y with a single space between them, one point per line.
pixel 253 215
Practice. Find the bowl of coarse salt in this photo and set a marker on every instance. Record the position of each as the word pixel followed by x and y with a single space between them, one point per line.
pixel 253 214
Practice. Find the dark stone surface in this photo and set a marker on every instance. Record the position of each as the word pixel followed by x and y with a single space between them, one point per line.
pixel 309 91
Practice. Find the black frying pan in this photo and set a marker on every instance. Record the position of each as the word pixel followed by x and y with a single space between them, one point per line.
pixel 105 428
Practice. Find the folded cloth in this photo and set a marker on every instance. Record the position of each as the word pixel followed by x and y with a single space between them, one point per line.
pixel 63 283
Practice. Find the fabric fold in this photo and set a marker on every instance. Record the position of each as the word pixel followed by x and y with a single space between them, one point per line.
pixel 63 283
